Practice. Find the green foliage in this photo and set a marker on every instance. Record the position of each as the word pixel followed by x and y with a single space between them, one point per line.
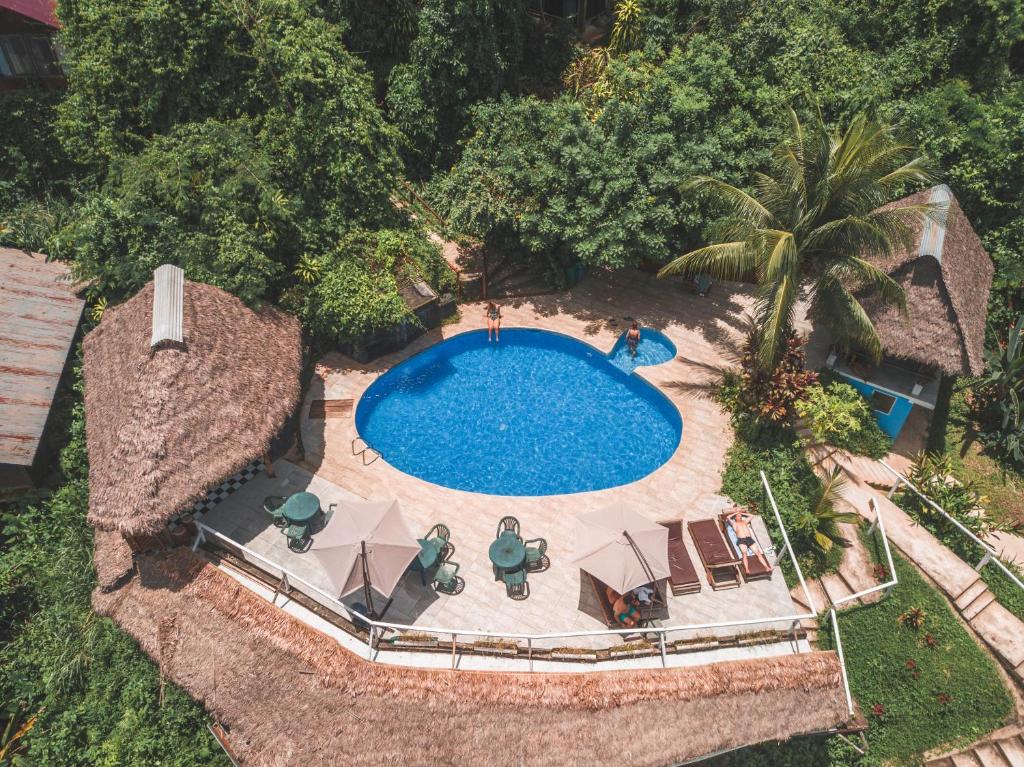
pixel 932 686
pixel 94 693
pixel 840 416
pixel 808 223
pixel 626 30
pixel 1001 393
pixel 201 198
pixel 803 503
pixel 30 157
pixel 816 750
pixel 772 394
pixel 464 51
pixel 358 290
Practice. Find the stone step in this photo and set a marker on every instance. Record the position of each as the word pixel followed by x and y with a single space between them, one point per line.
pixel 944 761
pixel 978 606
pixel 971 593
pixel 1012 750
pixel 989 756
pixel 966 759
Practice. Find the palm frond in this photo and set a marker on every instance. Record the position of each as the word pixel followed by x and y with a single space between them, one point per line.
pixel 736 200
pixel 724 261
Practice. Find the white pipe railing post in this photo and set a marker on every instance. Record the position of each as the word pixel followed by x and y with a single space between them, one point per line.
pixel 789 547
pixel 369 643
pixel 994 559
pixel 842 662
pixel 661 640
pixel 984 561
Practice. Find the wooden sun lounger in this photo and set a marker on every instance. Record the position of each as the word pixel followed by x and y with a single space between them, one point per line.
pixel 716 554
pixel 758 571
pixel 682 574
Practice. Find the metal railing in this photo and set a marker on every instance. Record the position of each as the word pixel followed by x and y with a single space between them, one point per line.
pixel 990 555
pixel 376 628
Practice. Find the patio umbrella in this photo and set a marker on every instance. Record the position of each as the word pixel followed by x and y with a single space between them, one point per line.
pixel 621 548
pixel 366 543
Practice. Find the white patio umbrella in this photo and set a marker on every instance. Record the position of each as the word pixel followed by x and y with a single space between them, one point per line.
pixel 366 543
pixel 621 548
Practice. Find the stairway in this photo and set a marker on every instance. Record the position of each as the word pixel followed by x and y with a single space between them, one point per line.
pixel 973 600
pixel 996 752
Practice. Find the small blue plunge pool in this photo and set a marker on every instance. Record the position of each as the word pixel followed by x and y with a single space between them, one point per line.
pixel 537 413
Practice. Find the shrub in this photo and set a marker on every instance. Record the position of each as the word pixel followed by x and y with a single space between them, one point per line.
pixel 839 415
pixel 772 395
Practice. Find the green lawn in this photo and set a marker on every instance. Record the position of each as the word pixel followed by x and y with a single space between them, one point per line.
pixel 935 685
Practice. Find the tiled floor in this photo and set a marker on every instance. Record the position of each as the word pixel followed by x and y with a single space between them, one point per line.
pixel 686 486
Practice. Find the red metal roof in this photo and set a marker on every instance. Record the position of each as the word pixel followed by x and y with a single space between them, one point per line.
pixel 44 11
pixel 39 315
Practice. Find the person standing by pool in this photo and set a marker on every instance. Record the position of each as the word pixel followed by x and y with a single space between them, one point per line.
pixel 493 315
pixel 633 337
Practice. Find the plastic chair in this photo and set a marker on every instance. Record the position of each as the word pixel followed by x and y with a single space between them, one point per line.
pixel 272 504
pixel 535 559
pixel 298 537
pixel 508 525
pixel 516 586
pixel 447 580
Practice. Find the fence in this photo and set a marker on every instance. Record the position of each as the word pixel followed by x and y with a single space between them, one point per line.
pixel 990 556
pixel 376 629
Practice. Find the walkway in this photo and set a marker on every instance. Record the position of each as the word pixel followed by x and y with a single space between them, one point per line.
pixel 1001 629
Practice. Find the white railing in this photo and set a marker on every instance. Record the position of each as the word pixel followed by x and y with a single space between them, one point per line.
pixel 893 580
pixel 789 547
pixel 842 660
pixel 990 553
pixel 376 628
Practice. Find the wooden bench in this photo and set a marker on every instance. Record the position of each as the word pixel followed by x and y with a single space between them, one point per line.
pixel 716 554
pixel 682 574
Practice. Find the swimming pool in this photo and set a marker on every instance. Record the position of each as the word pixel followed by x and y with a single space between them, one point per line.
pixel 537 414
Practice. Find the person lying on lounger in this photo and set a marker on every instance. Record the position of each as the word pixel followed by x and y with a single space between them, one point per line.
pixel 624 607
pixel 748 545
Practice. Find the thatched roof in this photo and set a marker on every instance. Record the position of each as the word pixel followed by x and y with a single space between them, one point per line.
pixel 291 695
pixel 947 275
pixel 163 425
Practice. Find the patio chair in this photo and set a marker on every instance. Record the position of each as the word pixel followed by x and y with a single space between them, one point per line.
pixel 438 531
pixel 702 284
pixel 682 574
pixel 447 580
pixel 721 563
pixel 272 505
pixel 298 537
pixel 516 586
pixel 508 525
pixel 536 559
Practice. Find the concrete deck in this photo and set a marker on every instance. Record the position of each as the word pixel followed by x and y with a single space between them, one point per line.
pixel 686 486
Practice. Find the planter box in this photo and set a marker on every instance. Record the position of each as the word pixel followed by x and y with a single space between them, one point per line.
pixel 582 655
pixel 414 642
pixel 496 649
pixel 638 652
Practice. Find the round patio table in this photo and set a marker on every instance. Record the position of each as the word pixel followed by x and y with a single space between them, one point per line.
pixel 300 508
pixel 507 552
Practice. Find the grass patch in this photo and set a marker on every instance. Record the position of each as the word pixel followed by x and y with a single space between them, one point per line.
pixel 935 687
pixel 954 433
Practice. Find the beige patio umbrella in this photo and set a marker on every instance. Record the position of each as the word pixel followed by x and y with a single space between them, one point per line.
pixel 621 548
pixel 366 543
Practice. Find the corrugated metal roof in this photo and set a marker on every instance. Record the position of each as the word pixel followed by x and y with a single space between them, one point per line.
pixel 39 315
pixel 44 11
pixel 168 300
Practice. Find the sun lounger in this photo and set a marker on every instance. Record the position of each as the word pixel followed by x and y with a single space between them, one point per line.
pixel 758 571
pixel 716 554
pixel 682 574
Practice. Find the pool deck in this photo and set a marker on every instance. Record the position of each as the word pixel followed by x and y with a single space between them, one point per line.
pixel 597 311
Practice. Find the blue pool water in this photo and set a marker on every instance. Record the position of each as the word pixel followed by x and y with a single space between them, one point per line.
pixel 654 348
pixel 537 414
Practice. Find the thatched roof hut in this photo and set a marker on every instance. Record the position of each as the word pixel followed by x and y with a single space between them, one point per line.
pixel 164 422
pixel 947 275
pixel 291 695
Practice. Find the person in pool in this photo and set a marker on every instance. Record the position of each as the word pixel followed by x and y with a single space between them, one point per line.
pixel 633 337
pixel 493 315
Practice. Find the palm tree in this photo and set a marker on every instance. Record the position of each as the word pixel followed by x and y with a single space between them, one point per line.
pixel 823 518
pixel 808 226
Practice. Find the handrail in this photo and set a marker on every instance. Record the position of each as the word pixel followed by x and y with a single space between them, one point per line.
pixel 842 661
pixel 888 554
pixel 357 616
pixel 789 547
pixel 990 552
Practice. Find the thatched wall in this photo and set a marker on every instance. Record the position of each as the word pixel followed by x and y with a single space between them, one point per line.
pixel 163 426
pixel 292 695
